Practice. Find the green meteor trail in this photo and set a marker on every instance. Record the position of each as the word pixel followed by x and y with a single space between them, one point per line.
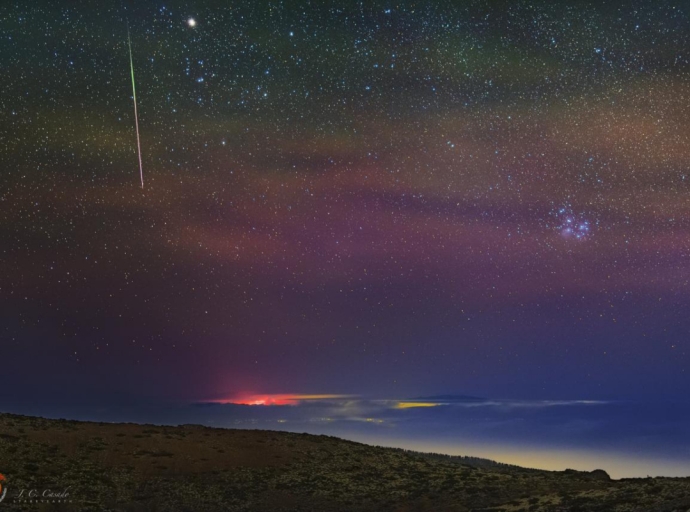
pixel 136 115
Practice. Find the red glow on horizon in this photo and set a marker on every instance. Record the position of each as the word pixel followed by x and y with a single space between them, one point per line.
pixel 279 399
pixel 262 400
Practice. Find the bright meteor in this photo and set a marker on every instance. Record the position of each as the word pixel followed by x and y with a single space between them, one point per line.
pixel 136 115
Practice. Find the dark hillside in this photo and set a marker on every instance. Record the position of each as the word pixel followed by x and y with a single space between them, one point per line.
pixel 133 467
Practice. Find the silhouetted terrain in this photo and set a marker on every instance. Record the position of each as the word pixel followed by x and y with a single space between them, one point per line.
pixel 193 468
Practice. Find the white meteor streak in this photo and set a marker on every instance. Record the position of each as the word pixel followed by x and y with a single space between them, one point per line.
pixel 136 115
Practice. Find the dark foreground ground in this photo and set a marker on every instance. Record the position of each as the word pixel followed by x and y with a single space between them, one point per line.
pixel 103 466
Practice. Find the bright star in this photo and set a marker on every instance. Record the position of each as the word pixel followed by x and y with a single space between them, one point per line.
pixel 191 22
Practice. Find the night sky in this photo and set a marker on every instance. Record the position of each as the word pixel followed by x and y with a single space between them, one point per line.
pixel 382 199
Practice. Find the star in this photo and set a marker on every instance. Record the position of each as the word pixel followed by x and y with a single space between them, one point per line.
pixel 191 22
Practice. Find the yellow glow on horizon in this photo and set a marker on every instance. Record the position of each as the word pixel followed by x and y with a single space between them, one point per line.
pixel 410 405
pixel 617 465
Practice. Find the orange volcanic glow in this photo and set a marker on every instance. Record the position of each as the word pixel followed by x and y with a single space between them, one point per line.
pixel 283 399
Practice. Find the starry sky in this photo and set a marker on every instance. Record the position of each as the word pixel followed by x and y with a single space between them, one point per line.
pixel 380 199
